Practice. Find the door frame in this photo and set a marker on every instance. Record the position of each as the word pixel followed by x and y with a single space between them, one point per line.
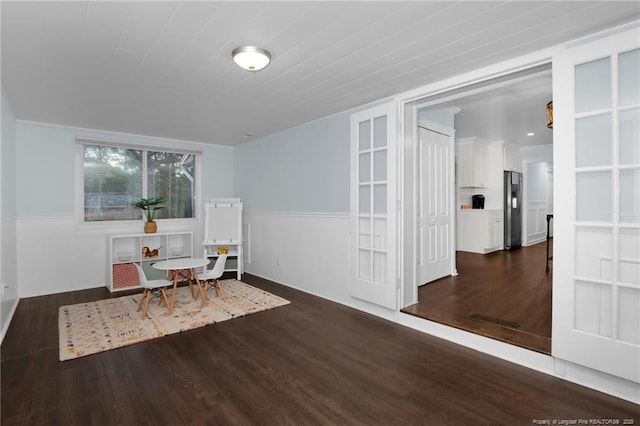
pixel 481 80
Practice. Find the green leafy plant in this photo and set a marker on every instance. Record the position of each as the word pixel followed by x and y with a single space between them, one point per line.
pixel 150 206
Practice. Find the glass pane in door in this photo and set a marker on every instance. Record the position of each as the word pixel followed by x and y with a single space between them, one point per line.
pixel 364 200
pixel 593 141
pixel 629 78
pixel 380 165
pixel 364 166
pixel 364 135
pixel 380 199
pixel 380 132
pixel 593 85
pixel 593 196
pixel 629 195
pixel 630 136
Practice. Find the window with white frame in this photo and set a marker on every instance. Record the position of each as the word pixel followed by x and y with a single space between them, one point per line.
pixel 115 177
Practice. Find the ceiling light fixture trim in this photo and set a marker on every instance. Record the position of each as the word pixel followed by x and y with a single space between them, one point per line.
pixel 251 58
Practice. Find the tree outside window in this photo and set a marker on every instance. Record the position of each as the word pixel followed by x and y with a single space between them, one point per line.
pixel 113 181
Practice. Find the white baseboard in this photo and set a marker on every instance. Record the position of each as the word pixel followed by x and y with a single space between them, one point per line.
pixel 535 239
pixel 5 326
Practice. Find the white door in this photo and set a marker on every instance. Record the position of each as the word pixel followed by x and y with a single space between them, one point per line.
pixel 434 208
pixel 596 258
pixel 373 206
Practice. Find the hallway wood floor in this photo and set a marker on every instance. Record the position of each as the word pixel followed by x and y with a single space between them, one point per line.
pixel 310 362
pixel 504 295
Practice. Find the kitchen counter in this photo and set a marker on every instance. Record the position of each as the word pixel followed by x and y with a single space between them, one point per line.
pixel 480 230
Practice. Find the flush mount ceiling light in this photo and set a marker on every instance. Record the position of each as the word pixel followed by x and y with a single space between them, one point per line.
pixel 251 58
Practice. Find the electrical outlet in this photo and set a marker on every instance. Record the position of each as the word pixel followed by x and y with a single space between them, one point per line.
pixel 277 261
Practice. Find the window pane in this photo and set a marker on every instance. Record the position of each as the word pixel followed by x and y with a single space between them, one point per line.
pixel 380 132
pixel 380 165
pixel 364 167
pixel 593 141
pixel 112 182
pixel 364 200
pixel 630 195
pixel 173 176
pixel 593 196
pixel 380 199
pixel 364 134
pixel 630 136
pixel 629 78
pixel 593 85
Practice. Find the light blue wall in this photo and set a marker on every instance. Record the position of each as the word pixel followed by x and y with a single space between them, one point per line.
pixel 537 181
pixel 46 173
pixel 8 160
pixel 543 152
pixel 8 258
pixel 302 169
pixel 45 177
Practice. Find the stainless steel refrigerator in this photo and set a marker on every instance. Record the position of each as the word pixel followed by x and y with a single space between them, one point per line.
pixel 512 210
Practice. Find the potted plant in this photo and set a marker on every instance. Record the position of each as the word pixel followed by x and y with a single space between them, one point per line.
pixel 150 206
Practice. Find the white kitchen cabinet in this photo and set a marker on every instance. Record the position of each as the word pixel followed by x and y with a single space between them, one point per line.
pixel 479 230
pixel 125 249
pixel 510 158
pixel 496 229
pixel 473 159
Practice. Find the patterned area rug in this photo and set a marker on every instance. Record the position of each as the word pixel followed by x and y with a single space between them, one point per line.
pixel 89 328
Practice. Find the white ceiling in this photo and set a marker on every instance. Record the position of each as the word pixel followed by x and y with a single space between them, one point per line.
pixel 165 68
pixel 506 113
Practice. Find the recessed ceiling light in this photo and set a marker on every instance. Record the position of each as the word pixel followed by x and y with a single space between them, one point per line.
pixel 530 134
pixel 249 135
pixel 251 58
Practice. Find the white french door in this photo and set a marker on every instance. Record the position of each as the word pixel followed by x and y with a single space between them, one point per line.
pixel 596 260
pixel 434 208
pixel 373 238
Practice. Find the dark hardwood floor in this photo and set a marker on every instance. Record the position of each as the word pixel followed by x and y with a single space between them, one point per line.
pixel 504 295
pixel 310 362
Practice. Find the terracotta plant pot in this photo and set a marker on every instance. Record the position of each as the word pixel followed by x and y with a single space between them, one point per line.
pixel 150 227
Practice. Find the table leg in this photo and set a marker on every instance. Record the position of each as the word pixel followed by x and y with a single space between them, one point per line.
pixel 202 293
pixel 173 293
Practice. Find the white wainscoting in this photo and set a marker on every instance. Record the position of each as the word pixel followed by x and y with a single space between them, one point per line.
pixel 305 251
pixel 536 221
pixel 56 255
